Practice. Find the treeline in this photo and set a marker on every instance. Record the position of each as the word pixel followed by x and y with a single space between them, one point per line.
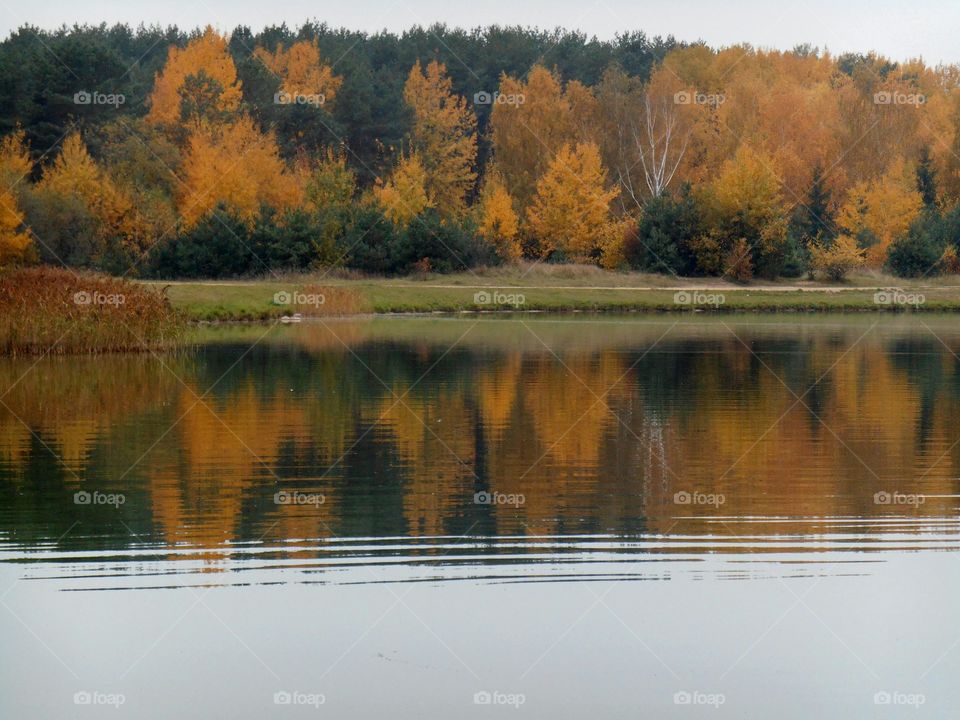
pixel 159 152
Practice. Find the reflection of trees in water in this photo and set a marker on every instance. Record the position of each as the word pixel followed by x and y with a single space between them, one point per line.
pixel 593 439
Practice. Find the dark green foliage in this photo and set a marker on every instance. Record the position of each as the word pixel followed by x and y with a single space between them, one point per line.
pixel 369 241
pixel 441 246
pixel 296 240
pixel 663 236
pixel 64 230
pixel 813 220
pixel 918 253
pixel 219 246
pixel 927 178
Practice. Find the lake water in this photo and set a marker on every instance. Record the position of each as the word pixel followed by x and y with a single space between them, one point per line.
pixel 528 516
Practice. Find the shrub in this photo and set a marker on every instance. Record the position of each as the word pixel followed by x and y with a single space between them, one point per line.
pixel 919 251
pixel 448 246
pixel 298 239
pixel 218 246
pixel 664 235
pixel 66 231
pixel 738 263
pixel 51 310
pixel 837 260
pixel 950 261
pixel 370 240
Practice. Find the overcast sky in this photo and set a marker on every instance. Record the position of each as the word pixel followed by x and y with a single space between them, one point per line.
pixel 898 29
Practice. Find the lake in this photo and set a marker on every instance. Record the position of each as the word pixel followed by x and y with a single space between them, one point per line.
pixel 482 516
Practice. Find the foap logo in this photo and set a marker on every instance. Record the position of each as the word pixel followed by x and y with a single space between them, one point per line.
pixel 695 697
pixel 898 297
pixel 890 97
pixel 285 297
pixel 495 297
pixel 95 697
pixel 697 297
pixel 96 497
pixel 494 498
pixel 496 98
pixel 692 97
pixel 98 298
pixel 896 697
pixel 898 498
pixel 496 697
pixel 86 97
pixel 285 98
pixel 295 697
pixel 286 497
pixel 698 498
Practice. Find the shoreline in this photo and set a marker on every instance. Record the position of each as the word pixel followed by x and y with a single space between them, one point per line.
pixel 254 301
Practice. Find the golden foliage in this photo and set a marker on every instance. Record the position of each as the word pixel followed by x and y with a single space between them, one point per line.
pixel 205 57
pixel 881 210
pixel 498 220
pixel 404 196
pixel 444 134
pixel 301 71
pixel 536 119
pixel 748 193
pixel 571 209
pixel 75 172
pixel 236 165
pixel 15 164
pixel 837 260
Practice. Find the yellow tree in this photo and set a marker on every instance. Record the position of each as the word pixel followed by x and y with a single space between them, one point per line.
pixel 238 166
pixel 746 207
pixel 15 164
pixel 444 135
pixel 498 220
pixel 878 212
pixel 75 173
pixel 301 72
pixel 529 124
pixel 571 209
pixel 405 195
pixel 198 81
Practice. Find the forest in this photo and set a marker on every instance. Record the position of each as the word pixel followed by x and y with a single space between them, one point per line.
pixel 157 152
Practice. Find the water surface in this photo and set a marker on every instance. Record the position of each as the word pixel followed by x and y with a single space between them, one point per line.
pixel 561 515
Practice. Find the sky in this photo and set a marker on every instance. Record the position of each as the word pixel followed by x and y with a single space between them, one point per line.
pixel 899 30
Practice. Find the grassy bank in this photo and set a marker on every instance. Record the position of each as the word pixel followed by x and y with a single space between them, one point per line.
pixel 550 289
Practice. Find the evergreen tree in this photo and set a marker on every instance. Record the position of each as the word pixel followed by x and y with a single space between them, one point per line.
pixel 927 178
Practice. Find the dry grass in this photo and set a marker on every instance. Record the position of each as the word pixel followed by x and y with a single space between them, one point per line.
pixel 337 301
pixel 51 310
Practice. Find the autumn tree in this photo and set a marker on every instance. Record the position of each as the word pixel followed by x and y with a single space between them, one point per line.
pixel 197 84
pixel 331 183
pixel 879 211
pixel 647 133
pixel 75 174
pixel 301 72
pixel 746 203
pixel 404 195
pixel 15 165
pixel 571 209
pixel 499 223
pixel 238 166
pixel 528 128
pixel 444 136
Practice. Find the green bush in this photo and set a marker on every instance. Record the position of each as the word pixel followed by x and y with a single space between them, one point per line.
pixel 662 242
pixel 918 253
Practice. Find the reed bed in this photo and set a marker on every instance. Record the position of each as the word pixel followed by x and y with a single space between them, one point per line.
pixel 53 310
